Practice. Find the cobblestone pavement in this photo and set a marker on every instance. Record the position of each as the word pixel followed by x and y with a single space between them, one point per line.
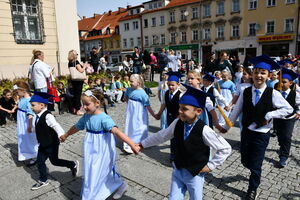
pixel 147 174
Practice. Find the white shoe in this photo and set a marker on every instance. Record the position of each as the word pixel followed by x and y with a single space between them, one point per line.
pixel 128 149
pixel 121 190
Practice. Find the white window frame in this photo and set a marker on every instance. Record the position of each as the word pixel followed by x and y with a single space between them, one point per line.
pixel 267 26
pixel 146 41
pixel 206 34
pixel 285 24
pixel 234 2
pixel 153 21
pixel 173 37
pixel 195 12
pixel 271 3
pixel 218 8
pixel 145 23
pixel 155 40
pixel 162 20
pixel 182 15
pixel 28 24
pixel 135 25
pixel 131 40
pixel 233 30
pixel 172 17
pixel 139 41
pixel 125 43
pixel 183 36
pixel 195 35
pixel 206 10
pixel 162 39
pixel 249 28
pixel 290 1
pixel 251 4
pixel 218 32
pixel 126 27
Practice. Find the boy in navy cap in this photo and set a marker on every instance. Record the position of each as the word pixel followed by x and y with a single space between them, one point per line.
pixel 208 87
pixel 171 102
pixel 193 140
pixel 259 105
pixel 48 132
pixel 285 126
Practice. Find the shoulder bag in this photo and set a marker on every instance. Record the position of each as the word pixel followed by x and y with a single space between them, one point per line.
pixel 77 75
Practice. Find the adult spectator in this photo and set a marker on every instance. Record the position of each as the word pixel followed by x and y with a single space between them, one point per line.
pixel 210 66
pixel 39 71
pixel 224 64
pixel 162 62
pixel 147 61
pixel 94 58
pixel 173 61
pixel 137 61
pixel 76 85
pixel 153 64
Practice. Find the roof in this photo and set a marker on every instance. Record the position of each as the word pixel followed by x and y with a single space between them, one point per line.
pixel 128 17
pixel 102 22
pixel 173 3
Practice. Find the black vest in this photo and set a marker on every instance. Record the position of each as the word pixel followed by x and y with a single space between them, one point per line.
pixel 45 135
pixel 192 153
pixel 172 106
pixel 211 91
pixel 291 99
pixel 258 112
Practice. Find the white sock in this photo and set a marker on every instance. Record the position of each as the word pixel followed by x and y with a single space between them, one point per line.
pixel 120 191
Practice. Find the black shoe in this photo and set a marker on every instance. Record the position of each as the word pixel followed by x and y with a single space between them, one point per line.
pixel 75 169
pixel 39 184
pixel 251 195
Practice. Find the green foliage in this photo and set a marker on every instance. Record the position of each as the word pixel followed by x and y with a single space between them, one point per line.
pixel 151 84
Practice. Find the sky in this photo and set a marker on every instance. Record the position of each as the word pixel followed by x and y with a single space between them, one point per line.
pixel 89 7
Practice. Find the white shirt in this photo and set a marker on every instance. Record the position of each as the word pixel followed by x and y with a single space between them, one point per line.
pixel 283 109
pixel 51 122
pixel 217 95
pixel 297 102
pixel 40 72
pixel 210 138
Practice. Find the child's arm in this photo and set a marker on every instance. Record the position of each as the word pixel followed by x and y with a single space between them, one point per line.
pixel 221 99
pixel 117 132
pixel 6 110
pixel 29 123
pixel 151 111
pixel 14 108
pixel 162 108
pixel 71 131
pixel 159 137
pixel 219 144
pixel 51 122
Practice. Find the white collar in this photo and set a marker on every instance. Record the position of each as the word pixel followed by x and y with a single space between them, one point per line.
pixel 40 114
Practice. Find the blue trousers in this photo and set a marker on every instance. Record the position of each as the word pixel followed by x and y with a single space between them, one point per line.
pixel 137 69
pixel 50 152
pixel 253 148
pixel 182 181
pixel 284 130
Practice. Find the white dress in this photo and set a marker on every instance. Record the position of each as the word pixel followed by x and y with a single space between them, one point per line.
pixel 27 142
pixel 100 176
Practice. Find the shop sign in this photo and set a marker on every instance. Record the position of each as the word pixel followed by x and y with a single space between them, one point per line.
pixel 184 47
pixel 274 38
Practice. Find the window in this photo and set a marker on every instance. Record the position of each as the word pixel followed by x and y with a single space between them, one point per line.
pixel 126 26
pixel 182 15
pixel 172 17
pixel 159 4
pixel 138 11
pixel 153 21
pixel 235 30
pixel 289 25
pixel 125 43
pixel 271 3
pixel 155 5
pixel 183 36
pixel 162 39
pixel 146 41
pixel 206 35
pixel 100 32
pixel 108 31
pixel 118 43
pixel 131 12
pixel 252 4
pixel 154 39
pixel 27 21
pixel 173 38
pixel 270 27
pixel 150 6
pixel 145 23
pixel 131 42
pixel 195 35
pixel 195 12
pixel 290 1
pixel 220 32
pixel 220 8
pixel 138 41
pixel 135 25
pixel 235 5
pixel 206 10
pixel 111 44
pixel 162 20
pixel 252 29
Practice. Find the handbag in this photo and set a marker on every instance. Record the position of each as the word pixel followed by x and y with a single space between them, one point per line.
pixel 77 75
pixel 52 90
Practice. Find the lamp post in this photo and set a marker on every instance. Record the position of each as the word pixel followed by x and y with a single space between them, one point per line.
pixel 200 35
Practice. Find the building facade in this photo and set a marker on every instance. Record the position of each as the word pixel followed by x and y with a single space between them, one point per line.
pixel 271 27
pixel 36 24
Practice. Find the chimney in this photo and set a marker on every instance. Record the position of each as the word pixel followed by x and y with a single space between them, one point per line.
pixel 129 6
pixel 83 17
pixel 109 12
pixel 95 15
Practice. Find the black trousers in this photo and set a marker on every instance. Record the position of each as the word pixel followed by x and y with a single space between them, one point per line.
pixel 284 130
pixel 4 115
pixel 50 152
pixel 253 148
pixel 77 89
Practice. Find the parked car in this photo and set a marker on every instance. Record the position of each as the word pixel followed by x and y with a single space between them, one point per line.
pixel 116 67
